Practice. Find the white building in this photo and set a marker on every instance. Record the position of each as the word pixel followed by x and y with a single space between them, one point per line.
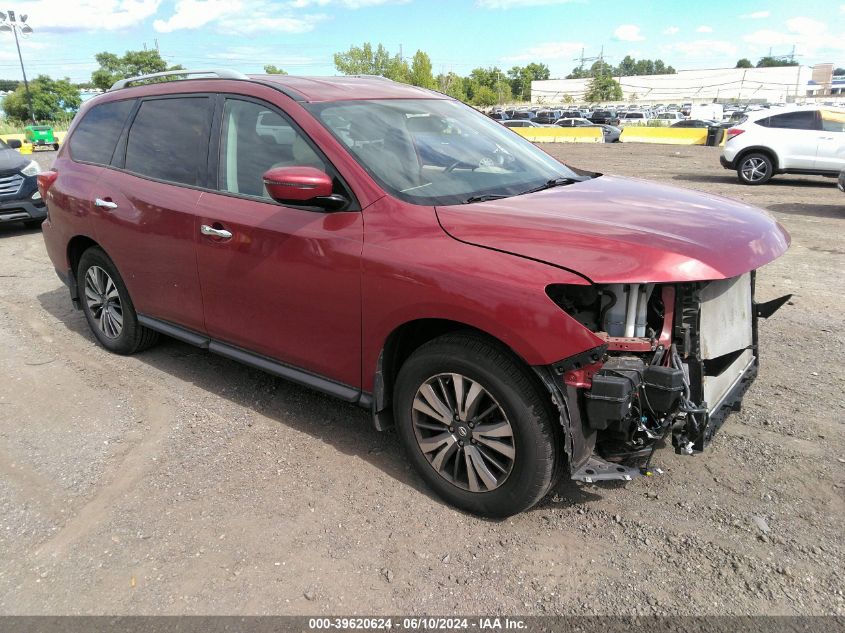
pixel 773 85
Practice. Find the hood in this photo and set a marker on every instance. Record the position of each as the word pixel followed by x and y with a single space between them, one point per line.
pixel 621 230
pixel 11 160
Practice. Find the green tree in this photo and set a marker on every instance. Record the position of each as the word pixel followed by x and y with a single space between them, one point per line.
pixel 270 69
pixel 52 100
pixel 838 72
pixel 452 85
pixel 520 78
pixel 744 63
pixel 133 63
pixel 770 62
pixel 420 73
pixel 8 84
pixel 363 60
pixel 484 96
pixel 603 88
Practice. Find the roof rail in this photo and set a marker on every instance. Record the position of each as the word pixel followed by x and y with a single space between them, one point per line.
pixel 217 74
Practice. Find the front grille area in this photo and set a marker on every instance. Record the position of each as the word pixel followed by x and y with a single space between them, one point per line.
pixel 10 184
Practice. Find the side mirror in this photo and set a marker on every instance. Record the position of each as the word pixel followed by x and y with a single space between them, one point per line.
pixel 14 143
pixel 302 186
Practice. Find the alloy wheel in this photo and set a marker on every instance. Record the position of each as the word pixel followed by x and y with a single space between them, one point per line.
pixel 103 301
pixel 463 432
pixel 754 169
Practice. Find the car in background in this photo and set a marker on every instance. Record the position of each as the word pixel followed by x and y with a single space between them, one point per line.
pixel 699 123
pixel 498 116
pixel 634 118
pixel 669 118
pixel 605 117
pixel 841 183
pixel 522 115
pixel 686 108
pixel 522 123
pixel 806 140
pixel 547 117
pixel 20 200
pixel 610 133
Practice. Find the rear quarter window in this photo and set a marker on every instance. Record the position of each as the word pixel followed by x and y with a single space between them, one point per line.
pixel 94 139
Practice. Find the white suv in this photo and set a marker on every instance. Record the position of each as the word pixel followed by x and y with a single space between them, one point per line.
pixel 808 140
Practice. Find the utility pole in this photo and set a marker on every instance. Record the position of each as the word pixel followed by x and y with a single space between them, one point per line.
pixel 9 23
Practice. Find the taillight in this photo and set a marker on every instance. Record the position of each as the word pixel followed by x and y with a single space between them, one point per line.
pixel 45 181
pixel 734 132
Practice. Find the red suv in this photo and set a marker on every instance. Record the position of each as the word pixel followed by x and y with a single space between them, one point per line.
pixel 514 318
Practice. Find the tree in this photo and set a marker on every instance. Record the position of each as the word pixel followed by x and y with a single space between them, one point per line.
pixel 52 100
pixel 838 72
pixel 770 62
pixel 452 85
pixel 363 60
pixel 520 78
pixel 744 63
pixel 484 96
pixel 133 63
pixel 420 74
pixel 603 88
pixel 7 85
pixel 270 69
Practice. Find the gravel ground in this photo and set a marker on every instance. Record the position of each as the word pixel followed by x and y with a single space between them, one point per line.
pixel 176 482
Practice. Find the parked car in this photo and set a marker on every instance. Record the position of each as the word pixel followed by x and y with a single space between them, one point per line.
pixel 498 116
pixel 514 318
pixel 806 140
pixel 523 123
pixel 669 118
pixel 696 123
pixel 20 200
pixel 611 133
pixel 547 116
pixel 605 117
pixel 634 118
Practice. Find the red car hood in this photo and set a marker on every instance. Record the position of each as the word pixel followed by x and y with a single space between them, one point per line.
pixel 621 230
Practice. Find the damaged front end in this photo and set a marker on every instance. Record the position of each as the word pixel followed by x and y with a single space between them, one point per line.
pixel 676 360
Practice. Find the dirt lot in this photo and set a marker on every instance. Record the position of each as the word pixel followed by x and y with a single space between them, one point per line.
pixel 182 483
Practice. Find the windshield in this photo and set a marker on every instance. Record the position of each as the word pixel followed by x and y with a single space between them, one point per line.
pixel 437 151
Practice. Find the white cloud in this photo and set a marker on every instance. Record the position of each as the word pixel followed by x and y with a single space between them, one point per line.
pixel 701 49
pixel 242 17
pixel 511 4
pixel 87 15
pixel 842 8
pixel 704 29
pixel 756 15
pixel 808 35
pixel 672 30
pixel 628 33
pixel 549 50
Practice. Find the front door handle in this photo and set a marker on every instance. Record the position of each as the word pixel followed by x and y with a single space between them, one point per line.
pixel 210 230
pixel 105 204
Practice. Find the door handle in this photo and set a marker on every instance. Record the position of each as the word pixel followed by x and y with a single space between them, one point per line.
pixel 105 204
pixel 210 230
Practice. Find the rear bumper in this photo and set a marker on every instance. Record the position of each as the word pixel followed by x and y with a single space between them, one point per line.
pixel 727 164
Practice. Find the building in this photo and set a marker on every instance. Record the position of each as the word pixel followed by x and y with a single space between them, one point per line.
pixel 781 84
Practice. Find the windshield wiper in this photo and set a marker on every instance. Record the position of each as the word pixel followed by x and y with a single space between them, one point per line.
pixel 485 198
pixel 554 182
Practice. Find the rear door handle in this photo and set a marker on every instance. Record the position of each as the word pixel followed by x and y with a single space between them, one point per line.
pixel 105 204
pixel 210 230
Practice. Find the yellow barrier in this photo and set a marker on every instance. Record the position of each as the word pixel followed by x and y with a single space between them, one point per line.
pixel 561 134
pixel 664 135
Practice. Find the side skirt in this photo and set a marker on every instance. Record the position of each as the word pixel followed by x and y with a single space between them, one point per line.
pixel 269 365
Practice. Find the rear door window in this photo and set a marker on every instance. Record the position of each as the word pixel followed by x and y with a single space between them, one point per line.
pixel 169 139
pixel 801 120
pixel 94 139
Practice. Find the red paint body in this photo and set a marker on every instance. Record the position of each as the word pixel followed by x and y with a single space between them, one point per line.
pixel 323 291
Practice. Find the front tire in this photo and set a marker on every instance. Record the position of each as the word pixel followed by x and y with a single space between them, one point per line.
pixel 476 426
pixel 108 307
pixel 755 169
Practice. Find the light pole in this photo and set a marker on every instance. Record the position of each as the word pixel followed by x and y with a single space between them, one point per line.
pixel 10 23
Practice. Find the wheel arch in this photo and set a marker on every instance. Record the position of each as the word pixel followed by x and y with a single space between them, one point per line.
pixel 402 342
pixel 756 149
pixel 75 247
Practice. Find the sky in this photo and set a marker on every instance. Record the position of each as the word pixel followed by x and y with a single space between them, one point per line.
pixel 459 35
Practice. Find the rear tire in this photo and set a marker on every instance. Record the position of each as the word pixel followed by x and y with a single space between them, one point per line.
pixel 33 224
pixel 755 169
pixel 513 451
pixel 108 307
